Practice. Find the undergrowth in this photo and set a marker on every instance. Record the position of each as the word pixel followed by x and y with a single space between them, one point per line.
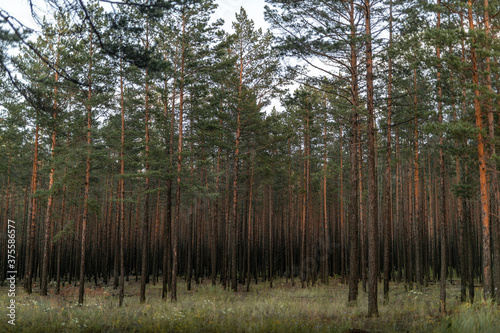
pixel 283 308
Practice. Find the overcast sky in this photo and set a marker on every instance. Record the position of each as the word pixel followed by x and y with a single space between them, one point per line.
pixel 226 10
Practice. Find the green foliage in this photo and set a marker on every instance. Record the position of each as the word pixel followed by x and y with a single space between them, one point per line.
pixel 67 230
pixel 477 317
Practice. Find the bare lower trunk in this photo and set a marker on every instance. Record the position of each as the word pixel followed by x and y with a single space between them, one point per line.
pixel 388 194
pixel 372 175
pixel 87 183
pixel 495 208
pixel 353 148
pixel 483 182
pixel 167 238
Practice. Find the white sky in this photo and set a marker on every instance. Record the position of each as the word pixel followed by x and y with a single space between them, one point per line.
pixel 20 10
pixel 226 10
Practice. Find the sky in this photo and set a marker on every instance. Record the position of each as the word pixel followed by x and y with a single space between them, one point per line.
pixel 20 10
pixel 226 10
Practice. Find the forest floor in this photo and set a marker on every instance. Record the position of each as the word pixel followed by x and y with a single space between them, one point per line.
pixel 283 308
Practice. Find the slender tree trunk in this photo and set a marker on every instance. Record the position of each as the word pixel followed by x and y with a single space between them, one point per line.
pixel 459 209
pixel 362 218
pixel 61 228
pixel 190 241
pixel 443 217
pixel 48 211
pixel 167 240
pixel 303 221
pixel 388 194
pixel 234 223
pixel 87 181
pixel 6 217
pixel 176 223
pixel 342 227
pixel 32 217
pixel 215 231
pixel 190 223
pixel 122 192
pixel 470 251
pixel 325 208
pixel 483 181
pixel 249 223
pixel 495 214
pixel 416 179
pixel 372 175
pixel 354 198
pixel 466 221
pixel 399 206
pixel 145 222
pixel 270 239
pixel 291 215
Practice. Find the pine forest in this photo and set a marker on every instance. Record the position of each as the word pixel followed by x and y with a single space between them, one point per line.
pixel 335 172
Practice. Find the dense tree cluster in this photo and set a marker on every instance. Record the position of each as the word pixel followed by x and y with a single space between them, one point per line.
pixel 134 143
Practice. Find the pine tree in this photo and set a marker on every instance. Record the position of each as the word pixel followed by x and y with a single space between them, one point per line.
pixel 256 68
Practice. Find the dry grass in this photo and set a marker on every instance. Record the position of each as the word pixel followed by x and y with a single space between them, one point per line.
pixel 283 308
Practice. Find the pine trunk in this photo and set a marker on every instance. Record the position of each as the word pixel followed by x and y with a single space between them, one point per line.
pixel 87 182
pixel 372 175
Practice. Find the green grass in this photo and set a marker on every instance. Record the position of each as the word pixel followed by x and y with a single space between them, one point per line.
pixel 282 308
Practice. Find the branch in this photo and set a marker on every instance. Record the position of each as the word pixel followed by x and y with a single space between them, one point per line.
pixel 129 3
pixel 8 19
